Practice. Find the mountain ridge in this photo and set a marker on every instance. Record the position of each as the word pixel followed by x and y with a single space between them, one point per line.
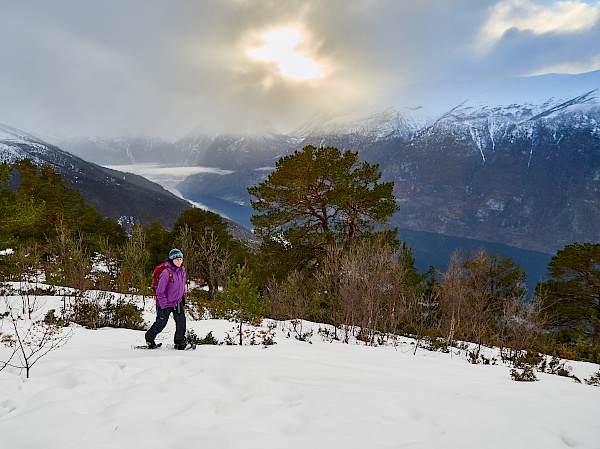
pixel 515 161
pixel 114 194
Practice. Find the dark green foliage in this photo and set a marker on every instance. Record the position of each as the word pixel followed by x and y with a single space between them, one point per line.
pixel 108 229
pixel 208 340
pixel 158 244
pixel 526 375
pixel 202 222
pixel 60 203
pixel 42 203
pixel 243 300
pixel 94 315
pixel 4 173
pixel 324 258
pixel 594 379
pixel 197 303
pixel 528 358
pixel 123 314
pixel 86 312
pixel 580 350
pixel 493 284
pixel 571 297
pixel 192 338
pixel 317 198
pixel 51 319
pixel 18 213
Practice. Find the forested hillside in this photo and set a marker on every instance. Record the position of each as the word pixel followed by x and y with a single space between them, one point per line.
pixel 324 257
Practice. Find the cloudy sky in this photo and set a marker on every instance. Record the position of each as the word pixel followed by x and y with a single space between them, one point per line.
pixel 72 67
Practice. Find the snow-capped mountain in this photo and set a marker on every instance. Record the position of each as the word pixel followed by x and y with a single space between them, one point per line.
pixel 514 162
pixel 119 150
pixel 236 151
pixel 521 172
pixel 114 194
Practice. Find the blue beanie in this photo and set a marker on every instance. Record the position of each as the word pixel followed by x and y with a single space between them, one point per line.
pixel 175 254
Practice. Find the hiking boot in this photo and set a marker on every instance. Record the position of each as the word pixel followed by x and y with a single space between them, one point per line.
pixel 180 345
pixel 151 345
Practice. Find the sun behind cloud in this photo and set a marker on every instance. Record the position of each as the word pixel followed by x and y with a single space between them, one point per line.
pixel 280 47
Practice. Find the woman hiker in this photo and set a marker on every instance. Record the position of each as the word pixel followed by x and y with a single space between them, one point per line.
pixel 170 298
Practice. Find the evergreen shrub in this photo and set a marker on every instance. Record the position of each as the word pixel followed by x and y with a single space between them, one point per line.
pixel 594 379
pixel 526 375
pixel 120 314
pixel 192 338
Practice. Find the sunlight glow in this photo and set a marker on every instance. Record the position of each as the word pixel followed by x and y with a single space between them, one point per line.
pixel 280 48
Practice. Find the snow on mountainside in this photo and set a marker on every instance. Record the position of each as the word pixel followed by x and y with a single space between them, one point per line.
pixel 119 150
pixel 518 103
pixel 384 124
pixel 541 93
pixel 410 112
pixel 428 102
pixel 13 142
pixel 8 133
pixel 114 194
pixel 514 162
pixel 485 109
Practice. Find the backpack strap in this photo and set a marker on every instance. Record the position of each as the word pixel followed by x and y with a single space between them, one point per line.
pixel 170 272
pixel 156 276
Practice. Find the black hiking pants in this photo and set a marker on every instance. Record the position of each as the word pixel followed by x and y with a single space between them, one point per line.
pixel 162 316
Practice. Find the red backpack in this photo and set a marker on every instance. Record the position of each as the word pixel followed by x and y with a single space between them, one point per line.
pixel 156 274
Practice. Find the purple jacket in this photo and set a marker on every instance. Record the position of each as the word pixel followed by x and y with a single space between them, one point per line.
pixel 169 293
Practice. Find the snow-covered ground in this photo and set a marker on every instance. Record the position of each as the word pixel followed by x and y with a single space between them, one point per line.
pixel 98 392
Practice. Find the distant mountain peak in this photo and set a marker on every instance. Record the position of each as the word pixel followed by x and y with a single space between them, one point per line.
pixel 513 161
pixel 10 133
pixel 246 125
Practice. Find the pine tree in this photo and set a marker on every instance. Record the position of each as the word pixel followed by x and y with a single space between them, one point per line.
pixel 317 198
pixel 571 297
pixel 242 299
